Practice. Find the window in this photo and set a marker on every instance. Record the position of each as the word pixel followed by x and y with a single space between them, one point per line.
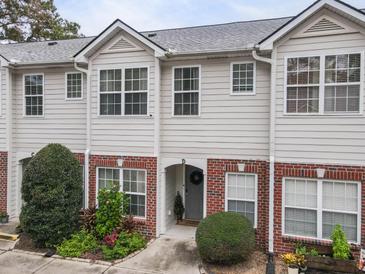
pixel 33 92
pixel 108 177
pixel 111 92
pixel 342 83
pixel 128 98
pixel 241 192
pixel 243 78
pixel 303 85
pixel 186 91
pixel 73 85
pixel 134 185
pixel 313 208
pixel 334 87
pixel 136 85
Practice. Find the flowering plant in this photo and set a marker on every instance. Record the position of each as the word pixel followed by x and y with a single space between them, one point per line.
pixel 111 239
pixel 293 260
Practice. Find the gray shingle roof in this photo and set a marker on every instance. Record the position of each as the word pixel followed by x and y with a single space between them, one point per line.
pixel 42 52
pixel 222 37
pixel 213 38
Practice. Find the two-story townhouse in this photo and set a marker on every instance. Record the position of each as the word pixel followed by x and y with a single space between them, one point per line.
pixel 263 117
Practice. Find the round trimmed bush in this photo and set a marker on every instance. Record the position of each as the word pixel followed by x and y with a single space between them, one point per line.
pixel 52 195
pixel 225 238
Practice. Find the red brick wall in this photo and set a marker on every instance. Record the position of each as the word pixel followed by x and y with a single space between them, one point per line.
pixel 217 169
pixel 3 180
pixel 334 172
pixel 148 225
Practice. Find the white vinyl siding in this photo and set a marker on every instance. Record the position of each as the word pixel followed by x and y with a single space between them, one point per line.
pixel 243 78
pixel 312 208
pixel 123 134
pixel 33 94
pixel 186 91
pixel 241 195
pixel 328 138
pixel 134 185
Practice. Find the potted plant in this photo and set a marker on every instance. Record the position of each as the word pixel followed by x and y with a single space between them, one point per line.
pixel 339 259
pixel 294 262
pixel 179 207
pixel 4 218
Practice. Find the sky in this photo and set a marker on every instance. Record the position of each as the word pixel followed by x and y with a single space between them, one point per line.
pixel 96 15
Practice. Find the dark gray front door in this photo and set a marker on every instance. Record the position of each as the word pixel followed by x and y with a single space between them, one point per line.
pixel 194 194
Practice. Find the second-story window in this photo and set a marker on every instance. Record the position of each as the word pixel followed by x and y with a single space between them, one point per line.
pixel 186 90
pixel 136 84
pixel 342 83
pixel 111 92
pixel 33 92
pixel 303 85
pixel 124 91
pixel 325 84
pixel 243 78
pixel 73 85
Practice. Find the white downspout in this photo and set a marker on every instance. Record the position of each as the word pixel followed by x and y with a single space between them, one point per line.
pixel 156 136
pixel 9 133
pixel 88 129
pixel 271 61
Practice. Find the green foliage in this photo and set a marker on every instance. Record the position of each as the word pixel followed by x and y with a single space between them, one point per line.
pixel 88 219
pixel 340 246
pixel 112 208
pixel 79 243
pixel 302 250
pixel 127 243
pixel 36 20
pixel 3 214
pixel 52 195
pixel 179 207
pixel 225 238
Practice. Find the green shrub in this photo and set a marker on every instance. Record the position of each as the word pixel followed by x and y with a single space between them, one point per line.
pixel 52 195
pixel 79 243
pixel 340 246
pixel 112 208
pixel 225 238
pixel 126 244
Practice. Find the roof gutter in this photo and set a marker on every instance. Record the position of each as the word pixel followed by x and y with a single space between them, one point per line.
pixel 88 131
pixel 272 62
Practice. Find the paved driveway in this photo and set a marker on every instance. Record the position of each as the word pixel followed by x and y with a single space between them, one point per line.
pixel 164 255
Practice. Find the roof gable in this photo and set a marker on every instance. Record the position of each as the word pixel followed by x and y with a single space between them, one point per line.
pixel 359 15
pixel 109 33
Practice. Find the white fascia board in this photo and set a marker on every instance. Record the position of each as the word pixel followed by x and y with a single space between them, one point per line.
pixel 81 56
pixel 269 43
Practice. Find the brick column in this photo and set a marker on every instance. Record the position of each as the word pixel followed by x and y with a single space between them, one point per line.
pixel 3 181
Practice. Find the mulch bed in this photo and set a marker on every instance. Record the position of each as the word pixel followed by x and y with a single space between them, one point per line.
pixel 26 243
pixel 256 264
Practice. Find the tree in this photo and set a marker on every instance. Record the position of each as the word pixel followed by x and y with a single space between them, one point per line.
pixel 34 20
pixel 52 195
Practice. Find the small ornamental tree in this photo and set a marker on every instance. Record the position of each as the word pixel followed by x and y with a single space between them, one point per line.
pixel 179 207
pixel 340 246
pixel 52 195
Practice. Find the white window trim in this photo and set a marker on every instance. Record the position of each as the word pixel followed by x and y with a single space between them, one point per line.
pixel 322 55
pixel 121 186
pixel 82 86
pixel 320 208
pixel 247 200
pixel 187 91
pixel 122 92
pixel 243 93
pixel 43 96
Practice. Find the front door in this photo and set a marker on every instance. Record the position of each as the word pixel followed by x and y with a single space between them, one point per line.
pixel 194 193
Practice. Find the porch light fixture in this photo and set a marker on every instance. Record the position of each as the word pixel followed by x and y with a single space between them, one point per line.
pixel 241 167
pixel 120 162
pixel 320 172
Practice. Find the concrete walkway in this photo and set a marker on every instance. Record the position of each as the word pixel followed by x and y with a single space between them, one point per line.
pixel 164 255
